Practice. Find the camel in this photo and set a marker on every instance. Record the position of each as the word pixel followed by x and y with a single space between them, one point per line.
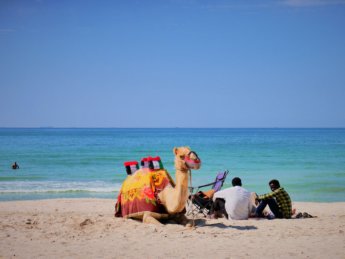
pixel 151 195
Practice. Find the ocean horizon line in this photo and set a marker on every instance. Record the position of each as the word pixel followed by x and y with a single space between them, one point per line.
pixel 53 127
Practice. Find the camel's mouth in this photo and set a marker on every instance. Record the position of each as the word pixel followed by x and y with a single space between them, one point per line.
pixel 192 160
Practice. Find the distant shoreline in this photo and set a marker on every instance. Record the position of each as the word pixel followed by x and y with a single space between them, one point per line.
pixel 114 200
pixel 126 128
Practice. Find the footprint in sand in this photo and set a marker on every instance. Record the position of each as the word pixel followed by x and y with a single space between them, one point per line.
pixel 86 222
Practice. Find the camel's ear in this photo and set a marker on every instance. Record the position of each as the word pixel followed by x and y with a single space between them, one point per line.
pixel 177 152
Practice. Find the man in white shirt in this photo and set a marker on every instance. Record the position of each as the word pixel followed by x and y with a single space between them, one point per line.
pixel 234 202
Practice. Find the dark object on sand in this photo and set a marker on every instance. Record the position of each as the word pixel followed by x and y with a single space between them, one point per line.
pixel 304 215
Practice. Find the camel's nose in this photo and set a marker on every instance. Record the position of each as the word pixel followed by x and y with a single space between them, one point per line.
pixel 193 161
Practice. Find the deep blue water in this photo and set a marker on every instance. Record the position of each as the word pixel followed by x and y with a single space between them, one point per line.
pixel 54 163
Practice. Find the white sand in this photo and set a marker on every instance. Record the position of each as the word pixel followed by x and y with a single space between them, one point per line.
pixel 52 229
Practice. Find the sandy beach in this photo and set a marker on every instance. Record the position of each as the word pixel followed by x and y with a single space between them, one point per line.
pixel 86 228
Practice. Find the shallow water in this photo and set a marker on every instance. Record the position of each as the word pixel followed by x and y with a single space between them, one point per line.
pixel 54 163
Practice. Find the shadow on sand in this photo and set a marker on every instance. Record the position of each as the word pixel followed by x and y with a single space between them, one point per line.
pixel 204 223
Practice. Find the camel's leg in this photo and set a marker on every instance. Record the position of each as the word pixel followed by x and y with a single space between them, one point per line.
pixel 148 218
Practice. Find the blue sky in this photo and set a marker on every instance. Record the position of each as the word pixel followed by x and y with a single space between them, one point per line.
pixel 172 63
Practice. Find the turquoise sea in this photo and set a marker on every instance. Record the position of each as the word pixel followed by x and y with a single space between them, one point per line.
pixel 73 163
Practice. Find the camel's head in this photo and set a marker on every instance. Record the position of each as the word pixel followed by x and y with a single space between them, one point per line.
pixel 186 159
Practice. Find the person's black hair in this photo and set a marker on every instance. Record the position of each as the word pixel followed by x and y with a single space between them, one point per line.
pixel 275 183
pixel 236 181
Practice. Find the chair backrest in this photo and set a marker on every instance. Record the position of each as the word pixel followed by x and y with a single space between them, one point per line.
pixel 219 180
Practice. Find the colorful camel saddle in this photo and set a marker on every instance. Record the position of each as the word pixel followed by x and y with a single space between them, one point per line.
pixel 139 193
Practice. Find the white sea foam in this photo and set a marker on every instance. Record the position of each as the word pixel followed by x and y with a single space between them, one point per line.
pixel 57 186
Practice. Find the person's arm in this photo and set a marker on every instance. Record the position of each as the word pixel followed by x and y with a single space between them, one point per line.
pixel 250 208
pixel 267 195
pixel 252 202
pixel 219 194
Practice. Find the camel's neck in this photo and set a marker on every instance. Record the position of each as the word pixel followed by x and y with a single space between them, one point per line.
pixel 174 199
pixel 181 179
pixel 181 188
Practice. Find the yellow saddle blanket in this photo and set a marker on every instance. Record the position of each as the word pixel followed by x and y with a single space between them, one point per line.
pixel 139 193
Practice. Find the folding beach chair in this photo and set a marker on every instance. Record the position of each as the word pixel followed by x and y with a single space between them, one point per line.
pixel 200 201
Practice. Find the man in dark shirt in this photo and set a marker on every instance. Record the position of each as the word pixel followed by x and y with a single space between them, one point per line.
pixel 278 201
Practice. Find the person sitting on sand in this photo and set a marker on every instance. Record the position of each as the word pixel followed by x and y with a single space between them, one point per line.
pixel 15 166
pixel 234 202
pixel 278 201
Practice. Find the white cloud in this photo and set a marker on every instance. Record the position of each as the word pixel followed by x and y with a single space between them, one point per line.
pixel 301 3
pixel 271 3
